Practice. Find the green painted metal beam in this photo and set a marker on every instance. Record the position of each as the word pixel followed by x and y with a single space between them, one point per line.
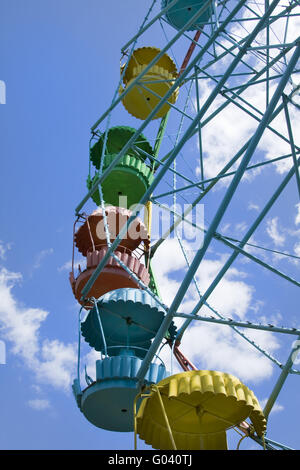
pixel 217 178
pixel 281 379
pixel 241 324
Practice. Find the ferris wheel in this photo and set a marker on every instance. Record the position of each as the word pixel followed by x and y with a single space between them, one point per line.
pixel 207 98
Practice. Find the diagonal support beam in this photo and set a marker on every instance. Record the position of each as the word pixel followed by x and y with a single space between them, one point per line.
pixel 291 138
pixel 280 382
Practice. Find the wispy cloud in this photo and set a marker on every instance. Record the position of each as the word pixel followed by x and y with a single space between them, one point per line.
pixel 220 348
pixel 225 228
pixel 39 404
pixel 297 218
pixel 274 232
pixel 52 361
pixel 276 408
pixel 252 206
pixel 297 249
pixel 67 266
pixel 4 247
pixel 240 228
pixel 40 256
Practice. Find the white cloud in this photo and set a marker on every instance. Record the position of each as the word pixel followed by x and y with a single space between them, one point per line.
pixel 233 295
pixel 4 247
pixel 252 206
pixel 225 228
pixel 240 228
pixel 224 135
pixel 168 259
pixel 277 407
pixel 40 256
pixel 67 266
pixel 217 347
pixel 57 364
pixel 214 346
pixel 52 362
pixel 2 251
pixel 36 388
pixel 297 218
pixel 273 232
pixel 39 404
pixel 297 249
pixel 20 324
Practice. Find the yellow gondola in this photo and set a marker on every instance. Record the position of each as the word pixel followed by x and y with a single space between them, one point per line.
pixel 192 410
pixel 145 95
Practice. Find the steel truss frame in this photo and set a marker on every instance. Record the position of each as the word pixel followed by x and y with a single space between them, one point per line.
pixel 198 69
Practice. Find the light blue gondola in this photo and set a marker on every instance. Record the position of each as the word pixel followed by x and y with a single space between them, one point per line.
pixel 184 10
pixel 129 317
pixel 108 402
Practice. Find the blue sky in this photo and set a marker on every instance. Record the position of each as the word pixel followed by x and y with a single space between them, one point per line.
pixel 60 63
